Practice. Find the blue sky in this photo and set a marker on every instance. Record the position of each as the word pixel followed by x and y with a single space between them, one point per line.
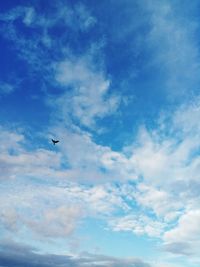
pixel 117 82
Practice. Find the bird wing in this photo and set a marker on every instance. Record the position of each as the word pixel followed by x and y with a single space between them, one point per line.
pixel 54 141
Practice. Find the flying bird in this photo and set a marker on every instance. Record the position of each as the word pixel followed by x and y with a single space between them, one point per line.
pixel 54 141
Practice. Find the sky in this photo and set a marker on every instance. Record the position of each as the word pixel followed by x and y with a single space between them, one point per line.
pixel 117 83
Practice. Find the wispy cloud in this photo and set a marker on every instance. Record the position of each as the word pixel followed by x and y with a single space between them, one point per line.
pixel 139 225
pixel 6 88
pixel 89 99
pixel 173 39
pixel 33 48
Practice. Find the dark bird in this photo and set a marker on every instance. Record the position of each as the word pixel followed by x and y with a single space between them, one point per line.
pixel 54 141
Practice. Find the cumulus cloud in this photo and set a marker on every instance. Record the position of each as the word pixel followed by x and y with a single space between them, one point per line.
pixel 184 238
pixel 168 166
pixel 166 160
pixel 164 171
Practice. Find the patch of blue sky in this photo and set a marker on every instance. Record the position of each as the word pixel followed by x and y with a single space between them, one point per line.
pixel 106 241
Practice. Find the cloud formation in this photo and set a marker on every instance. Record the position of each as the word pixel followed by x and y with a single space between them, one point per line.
pixel 89 99
pixel 164 189
pixel 14 254
pixel 147 186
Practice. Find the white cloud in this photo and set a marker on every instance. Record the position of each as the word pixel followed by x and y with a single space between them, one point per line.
pixel 139 225
pixel 78 158
pixel 57 222
pixel 164 169
pixel 44 209
pixel 90 98
pixel 186 118
pixel 169 165
pixel 168 188
pixel 184 238
pixel 13 139
pixel 41 163
pixel 34 208
pixel 51 211
pixel 159 201
pixel 165 160
pixel 89 161
pixel 163 165
pixel 167 263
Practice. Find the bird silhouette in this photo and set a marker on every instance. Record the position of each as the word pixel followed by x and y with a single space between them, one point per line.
pixel 54 141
